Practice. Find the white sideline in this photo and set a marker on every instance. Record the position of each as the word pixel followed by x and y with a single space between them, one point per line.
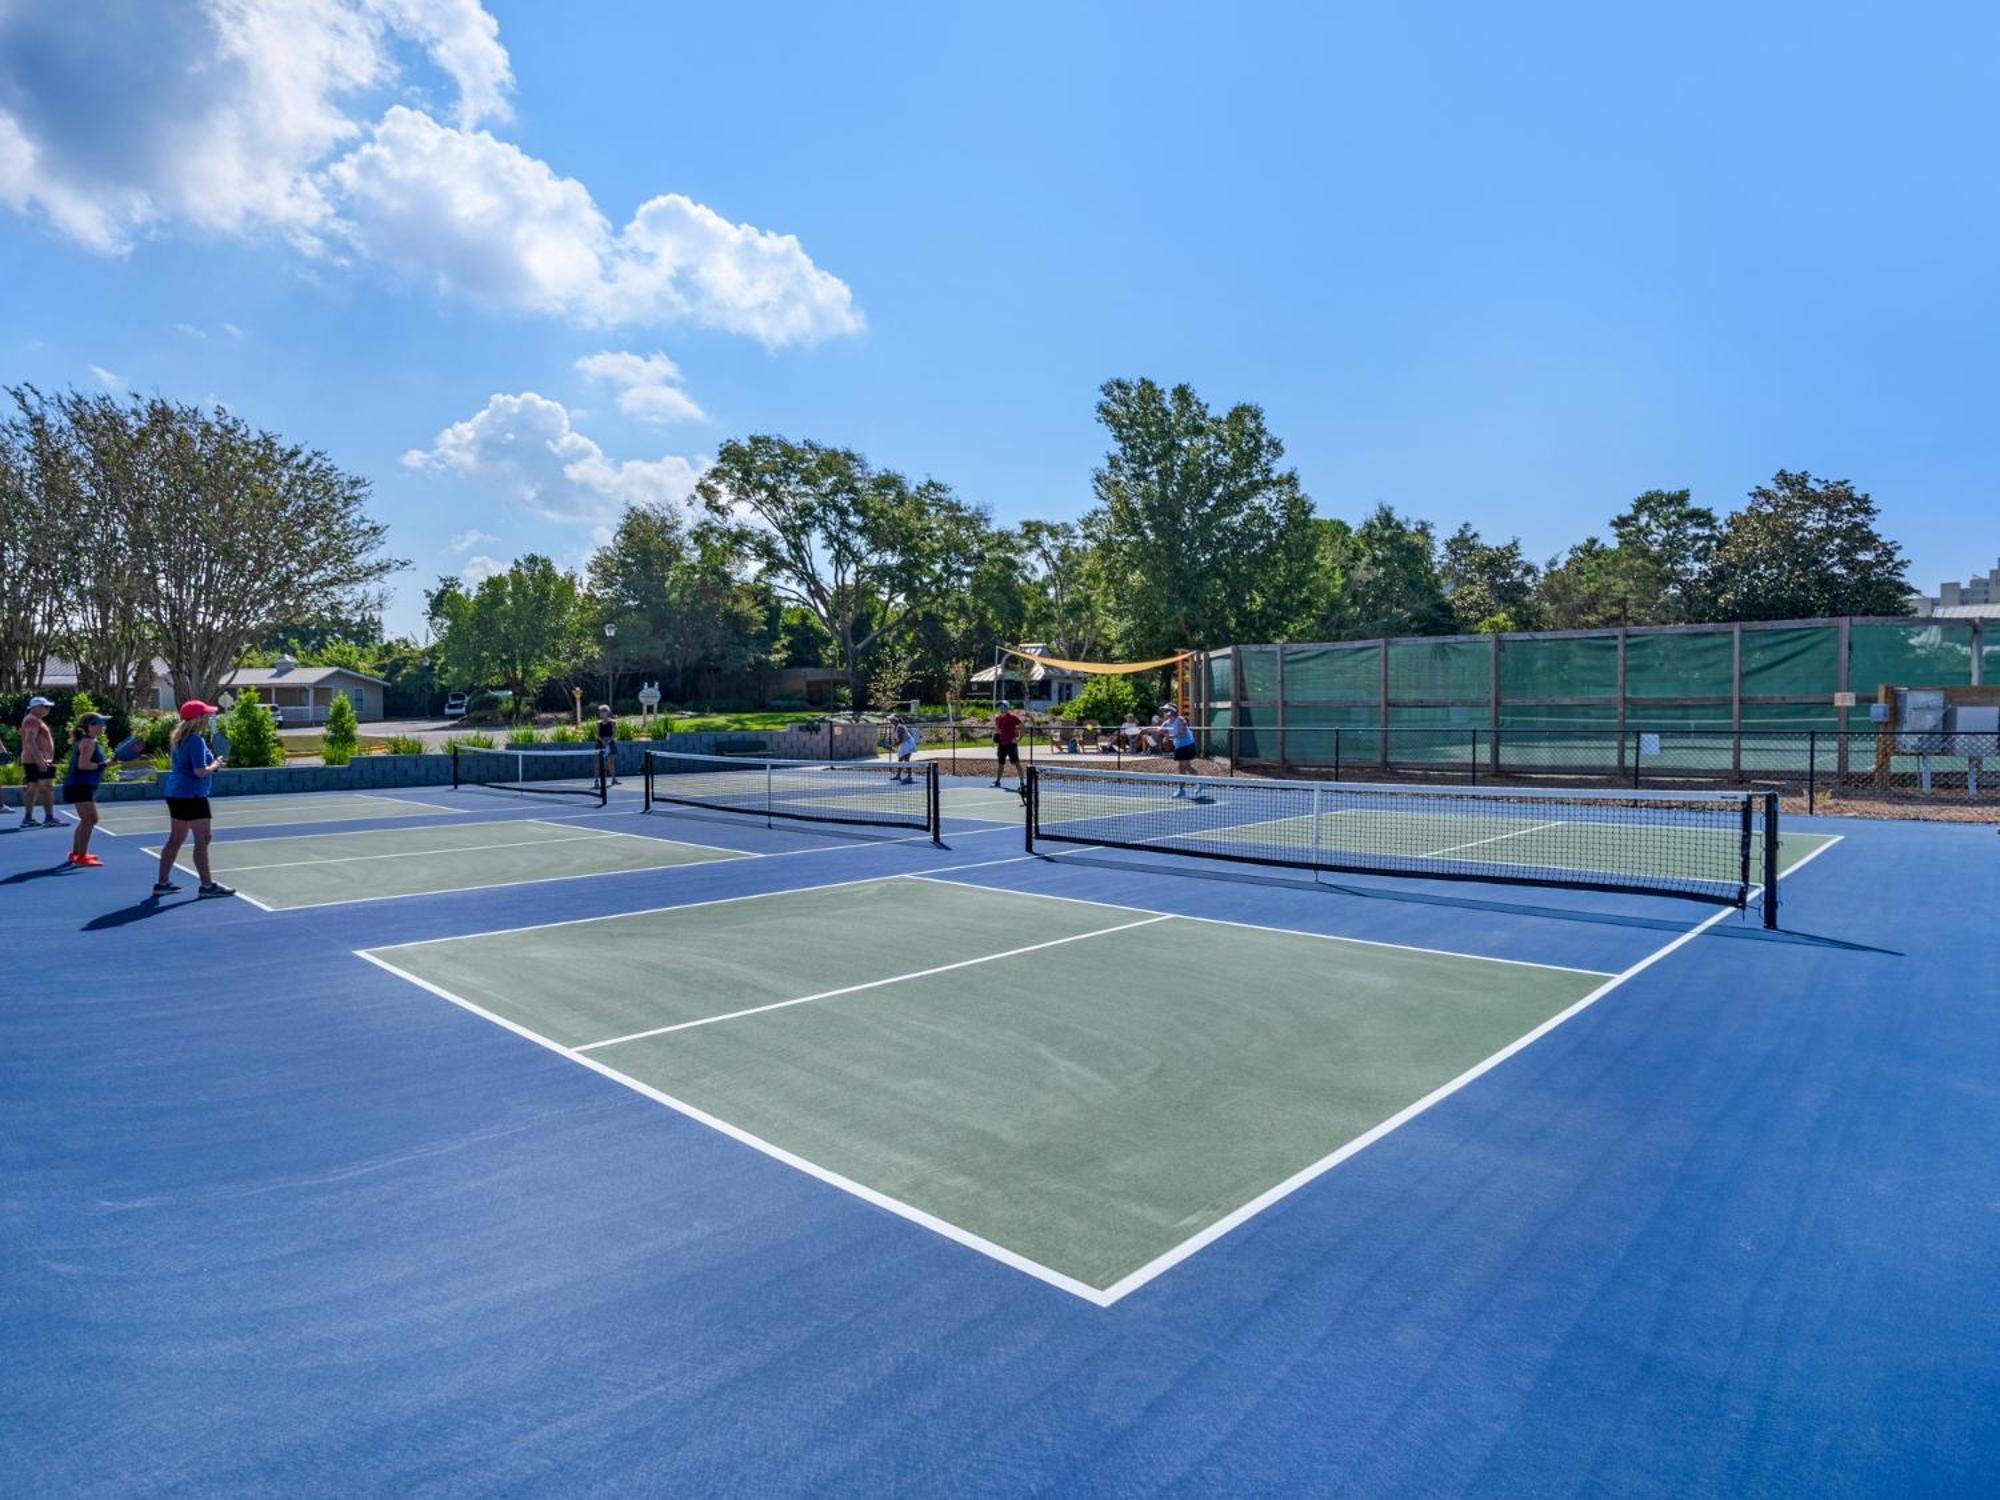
pixel 874 984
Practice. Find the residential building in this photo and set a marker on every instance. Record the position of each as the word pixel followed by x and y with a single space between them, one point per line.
pixel 306 693
pixel 1040 686
pixel 1981 590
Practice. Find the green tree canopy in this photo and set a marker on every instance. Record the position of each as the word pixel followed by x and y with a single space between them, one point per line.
pixel 1490 588
pixel 1385 576
pixel 519 629
pixel 1201 537
pixel 862 549
pixel 1802 549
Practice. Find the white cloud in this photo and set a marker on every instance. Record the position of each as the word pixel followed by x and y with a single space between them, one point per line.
pixel 465 541
pixel 480 567
pixel 232 330
pixel 240 116
pixel 648 386
pixel 190 330
pixel 111 380
pixel 525 448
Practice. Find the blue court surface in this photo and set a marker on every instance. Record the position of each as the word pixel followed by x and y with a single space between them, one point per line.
pixel 490 1143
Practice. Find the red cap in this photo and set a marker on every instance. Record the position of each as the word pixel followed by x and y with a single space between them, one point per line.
pixel 194 708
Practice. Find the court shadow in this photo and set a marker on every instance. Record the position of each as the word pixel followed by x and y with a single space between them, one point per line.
pixel 22 877
pixel 139 911
pixel 1746 930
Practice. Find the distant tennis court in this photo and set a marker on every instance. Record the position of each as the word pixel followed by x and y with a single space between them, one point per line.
pixel 262 812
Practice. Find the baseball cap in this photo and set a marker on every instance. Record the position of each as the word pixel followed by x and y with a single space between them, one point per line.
pixel 94 719
pixel 40 702
pixel 1005 704
pixel 194 708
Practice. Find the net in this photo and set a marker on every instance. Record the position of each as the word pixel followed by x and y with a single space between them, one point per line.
pixel 552 773
pixel 871 793
pixel 1706 846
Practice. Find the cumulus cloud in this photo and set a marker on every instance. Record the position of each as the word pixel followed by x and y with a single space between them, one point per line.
pixel 524 448
pixel 479 568
pixel 111 380
pixel 190 331
pixel 465 541
pixel 239 116
pixel 649 386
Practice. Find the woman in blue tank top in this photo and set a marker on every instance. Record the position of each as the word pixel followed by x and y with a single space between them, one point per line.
pixel 79 789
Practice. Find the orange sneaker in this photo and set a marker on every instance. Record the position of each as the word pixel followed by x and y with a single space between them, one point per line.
pixel 91 860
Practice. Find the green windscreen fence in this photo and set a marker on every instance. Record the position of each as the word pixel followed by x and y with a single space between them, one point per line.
pixel 1315 703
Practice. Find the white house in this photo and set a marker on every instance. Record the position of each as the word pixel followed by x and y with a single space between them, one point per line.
pixel 306 693
pixel 1039 686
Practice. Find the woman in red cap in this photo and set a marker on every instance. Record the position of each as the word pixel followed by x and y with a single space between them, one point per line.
pixel 187 798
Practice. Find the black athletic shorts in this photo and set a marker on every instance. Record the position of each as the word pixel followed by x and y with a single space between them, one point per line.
pixel 33 773
pixel 1009 752
pixel 1183 753
pixel 74 792
pixel 187 809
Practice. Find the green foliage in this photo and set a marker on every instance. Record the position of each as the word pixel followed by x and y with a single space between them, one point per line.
pixel 156 732
pixel 1104 701
pixel 628 730
pixel 253 737
pixel 861 549
pixel 521 628
pixel 570 734
pixel 1490 588
pixel 343 734
pixel 525 734
pixel 1802 549
pixel 403 744
pixel 1381 578
pixel 1201 536
pixel 470 742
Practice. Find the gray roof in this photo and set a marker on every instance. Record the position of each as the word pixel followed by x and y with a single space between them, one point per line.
pixel 1965 612
pixel 293 676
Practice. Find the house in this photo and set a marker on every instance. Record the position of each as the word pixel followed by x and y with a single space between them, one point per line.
pixel 1039 686
pixel 306 693
pixel 153 690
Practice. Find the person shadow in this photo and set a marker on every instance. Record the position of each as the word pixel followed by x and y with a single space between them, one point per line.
pixel 138 911
pixel 22 877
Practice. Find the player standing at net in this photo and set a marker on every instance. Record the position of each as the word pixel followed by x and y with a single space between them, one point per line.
pixel 1180 734
pixel 1006 742
pixel 904 738
pixel 607 743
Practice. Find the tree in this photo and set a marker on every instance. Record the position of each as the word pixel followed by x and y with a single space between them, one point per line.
pixel 676 596
pixel 252 733
pixel 36 558
pixel 520 629
pixel 1490 588
pixel 862 549
pixel 1062 570
pixel 1803 549
pixel 343 735
pixel 1666 551
pixel 1389 582
pixel 1103 700
pixel 237 530
pixel 1203 539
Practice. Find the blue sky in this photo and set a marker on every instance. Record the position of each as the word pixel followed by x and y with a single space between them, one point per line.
pixel 1512 265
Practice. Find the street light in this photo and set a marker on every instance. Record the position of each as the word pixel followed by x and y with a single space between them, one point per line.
pixel 610 683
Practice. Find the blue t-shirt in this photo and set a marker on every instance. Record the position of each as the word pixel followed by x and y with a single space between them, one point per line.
pixel 190 755
pixel 81 774
pixel 1182 732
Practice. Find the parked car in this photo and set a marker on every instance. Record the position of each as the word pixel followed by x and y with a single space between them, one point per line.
pixel 454 705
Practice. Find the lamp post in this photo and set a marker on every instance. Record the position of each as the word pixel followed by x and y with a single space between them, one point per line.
pixel 610 683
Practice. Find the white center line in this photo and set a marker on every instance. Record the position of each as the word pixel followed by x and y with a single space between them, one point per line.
pixel 1496 838
pixel 348 859
pixel 964 963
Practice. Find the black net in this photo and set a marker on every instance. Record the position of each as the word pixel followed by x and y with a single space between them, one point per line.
pixel 555 773
pixel 1706 846
pixel 876 794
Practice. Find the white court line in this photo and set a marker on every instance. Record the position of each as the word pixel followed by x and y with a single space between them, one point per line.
pixel 874 984
pixel 1160 1264
pixel 861 1190
pixel 349 859
pixel 1496 838
pixel 1325 937
pixel 790 890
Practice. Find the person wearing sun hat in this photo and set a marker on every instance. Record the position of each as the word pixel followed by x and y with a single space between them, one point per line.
pixel 38 765
pixel 193 763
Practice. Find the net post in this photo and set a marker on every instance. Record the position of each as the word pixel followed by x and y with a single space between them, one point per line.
pixel 1475 753
pixel 1030 806
pixel 937 803
pixel 1336 752
pixel 1638 739
pixel 454 770
pixel 1812 769
pixel 770 785
pixel 646 781
pixel 1771 859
